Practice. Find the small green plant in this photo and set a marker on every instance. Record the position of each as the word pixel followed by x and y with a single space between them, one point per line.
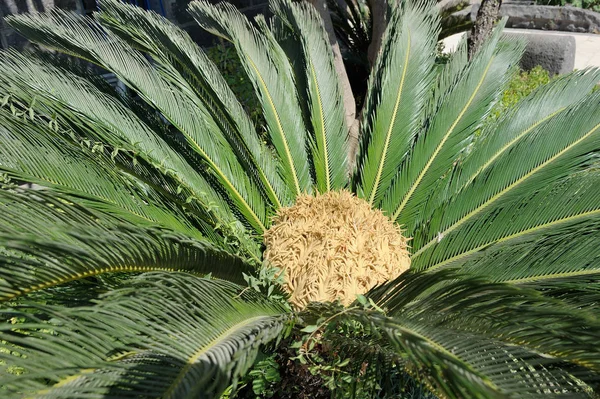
pixel 519 87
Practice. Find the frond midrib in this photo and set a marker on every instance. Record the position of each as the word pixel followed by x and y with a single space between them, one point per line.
pixel 442 142
pixel 321 131
pixel 388 135
pixel 500 194
pixel 90 273
pixel 222 337
pixel 281 132
pixel 553 276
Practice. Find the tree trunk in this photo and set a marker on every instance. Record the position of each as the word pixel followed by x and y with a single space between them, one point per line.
pixel 487 16
pixel 378 25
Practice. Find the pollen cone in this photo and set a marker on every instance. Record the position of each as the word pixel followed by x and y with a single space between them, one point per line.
pixel 334 246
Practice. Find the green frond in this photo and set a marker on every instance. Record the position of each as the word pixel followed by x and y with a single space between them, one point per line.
pixel 551 234
pixel 169 94
pixel 141 340
pixel 497 138
pixel 399 87
pixel 48 241
pixel 466 93
pixel 329 130
pixel 473 338
pixel 29 153
pixel 173 48
pixel 525 186
pixel 78 104
pixel 272 77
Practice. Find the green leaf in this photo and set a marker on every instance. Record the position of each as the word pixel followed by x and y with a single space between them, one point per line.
pixel 310 329
pixel 526 185
pixel 173 48
pixel 465 95
pixel 106 119
pixel 399 87
pixel 51 241
pixel 272 77
pixel 142 340
pixel 171 96
pixel 500 136
pixel 29 153
pixel 470 337
pixel 329 131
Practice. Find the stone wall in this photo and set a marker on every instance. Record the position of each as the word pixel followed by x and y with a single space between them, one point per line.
pixel 525 15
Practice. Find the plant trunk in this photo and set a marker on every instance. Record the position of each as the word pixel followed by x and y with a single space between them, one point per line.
pixel 487 16
pixel 378 24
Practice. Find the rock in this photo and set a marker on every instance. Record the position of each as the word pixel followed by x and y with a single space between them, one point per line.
pixel 569 19
pixel 530 16
pixel 554 53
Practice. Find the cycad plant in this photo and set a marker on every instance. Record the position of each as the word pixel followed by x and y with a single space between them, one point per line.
pixel 145 259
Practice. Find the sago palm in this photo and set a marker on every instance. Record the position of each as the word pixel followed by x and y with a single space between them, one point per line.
pixel 144 261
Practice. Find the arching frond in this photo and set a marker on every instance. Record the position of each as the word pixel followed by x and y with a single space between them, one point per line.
pixel 399 87
pixel 46 241
pixel 526 186
pixel 271 75
pixel 102 119
pixel 466 93
pixel 471 338
pixel 141 340
pixel 173 48
pixel 172 97
pixel 498 137
pixel 29 152
pixel 561 245
pixel 329 130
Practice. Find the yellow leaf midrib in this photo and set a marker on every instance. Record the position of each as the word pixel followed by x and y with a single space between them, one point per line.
pixel 191 361
pixel 442 142
pixel 321 131
pixel 286 147
pixel 500 194
pixel 392 122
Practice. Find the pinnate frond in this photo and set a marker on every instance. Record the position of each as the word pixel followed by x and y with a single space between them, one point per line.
pixel 141 340
pixel 271 75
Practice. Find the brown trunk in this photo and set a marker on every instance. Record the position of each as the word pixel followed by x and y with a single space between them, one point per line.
pixel 487 16
pixel 379 23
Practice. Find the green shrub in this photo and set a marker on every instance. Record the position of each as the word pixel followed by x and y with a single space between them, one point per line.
pixel 519 87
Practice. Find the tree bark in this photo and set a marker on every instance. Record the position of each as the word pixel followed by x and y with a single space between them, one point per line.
pixel 340 69
pixel 378 24
pixel 487 16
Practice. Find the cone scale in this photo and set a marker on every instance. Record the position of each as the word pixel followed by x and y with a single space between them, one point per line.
pixel 334 246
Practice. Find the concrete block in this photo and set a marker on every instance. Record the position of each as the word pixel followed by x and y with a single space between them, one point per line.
pixel 554 53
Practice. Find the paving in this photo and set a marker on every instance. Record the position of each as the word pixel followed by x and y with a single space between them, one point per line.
pixel 587 45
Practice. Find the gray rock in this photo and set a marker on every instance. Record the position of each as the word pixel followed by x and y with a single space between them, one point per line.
pixel 569 19
pixel 554 53
pixel 530 16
